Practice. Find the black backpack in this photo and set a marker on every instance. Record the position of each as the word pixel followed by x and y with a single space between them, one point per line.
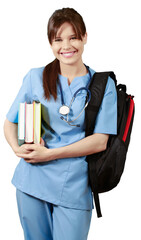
pixel 105 168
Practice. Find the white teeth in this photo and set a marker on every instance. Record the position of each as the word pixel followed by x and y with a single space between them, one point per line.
pixel 68 54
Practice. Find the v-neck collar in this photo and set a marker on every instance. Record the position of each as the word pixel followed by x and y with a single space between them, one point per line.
pixel 77 82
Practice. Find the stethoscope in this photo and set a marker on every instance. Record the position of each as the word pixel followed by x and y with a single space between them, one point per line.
pixel 65 110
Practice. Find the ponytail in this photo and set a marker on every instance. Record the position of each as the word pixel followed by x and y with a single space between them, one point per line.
pixel 50 79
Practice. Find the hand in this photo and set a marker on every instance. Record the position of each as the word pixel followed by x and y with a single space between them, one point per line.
pixel 34 153
pixel 25 148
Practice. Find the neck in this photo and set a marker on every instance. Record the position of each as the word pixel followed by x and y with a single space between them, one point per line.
pixel 72 71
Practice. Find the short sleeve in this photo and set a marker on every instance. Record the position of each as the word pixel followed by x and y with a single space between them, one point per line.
pixel 24 95
pixel 106 121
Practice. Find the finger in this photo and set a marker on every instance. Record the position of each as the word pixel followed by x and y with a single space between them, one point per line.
pixel 25 148
pixel 24 155
pixel 42 142
pixel 29 160
pixel 30 147
pixel 26 151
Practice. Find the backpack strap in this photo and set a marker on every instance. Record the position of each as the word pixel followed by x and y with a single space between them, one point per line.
pixel 97 88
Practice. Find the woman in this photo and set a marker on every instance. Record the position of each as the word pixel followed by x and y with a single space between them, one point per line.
pixel 53 194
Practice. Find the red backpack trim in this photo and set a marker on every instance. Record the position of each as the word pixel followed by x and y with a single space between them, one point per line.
pixel 129 118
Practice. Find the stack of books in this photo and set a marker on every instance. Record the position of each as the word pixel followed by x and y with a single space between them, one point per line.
pixel 29 123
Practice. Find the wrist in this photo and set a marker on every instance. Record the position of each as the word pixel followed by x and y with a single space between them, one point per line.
pixel 57 153
pixel 53 153
pixel 16 148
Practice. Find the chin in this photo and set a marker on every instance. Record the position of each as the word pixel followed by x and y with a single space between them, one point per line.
pixel 69 61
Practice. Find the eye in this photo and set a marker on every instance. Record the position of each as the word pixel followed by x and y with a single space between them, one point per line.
pixel 57 40
pixel 73 38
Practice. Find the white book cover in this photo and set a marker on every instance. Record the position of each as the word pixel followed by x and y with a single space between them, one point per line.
pixel 21 124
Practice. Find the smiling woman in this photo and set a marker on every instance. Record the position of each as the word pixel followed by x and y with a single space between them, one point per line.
pixel 68 49
pixel 53 192
pixel 67 36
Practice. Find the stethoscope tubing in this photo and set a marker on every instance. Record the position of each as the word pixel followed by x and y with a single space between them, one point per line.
pixel 74 96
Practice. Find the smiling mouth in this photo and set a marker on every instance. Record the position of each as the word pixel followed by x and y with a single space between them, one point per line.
pixel 68 54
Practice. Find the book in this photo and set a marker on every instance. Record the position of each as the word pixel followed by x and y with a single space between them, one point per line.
pixel 29 123
pixel 21 124
pixel 37 122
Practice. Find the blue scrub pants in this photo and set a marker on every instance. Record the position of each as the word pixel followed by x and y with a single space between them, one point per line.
pixel 42 220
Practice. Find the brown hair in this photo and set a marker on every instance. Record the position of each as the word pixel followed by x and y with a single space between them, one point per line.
pixel 51 71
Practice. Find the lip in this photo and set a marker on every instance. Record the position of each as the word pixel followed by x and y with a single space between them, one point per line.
pixel 68 54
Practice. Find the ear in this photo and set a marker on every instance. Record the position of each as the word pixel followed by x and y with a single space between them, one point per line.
pixel 85 38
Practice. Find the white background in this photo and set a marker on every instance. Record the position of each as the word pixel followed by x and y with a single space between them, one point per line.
pixel 113 44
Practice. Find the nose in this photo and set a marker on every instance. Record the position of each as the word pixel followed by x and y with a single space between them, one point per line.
pixel 66 44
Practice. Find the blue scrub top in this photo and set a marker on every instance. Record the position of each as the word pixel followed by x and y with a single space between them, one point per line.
pixel 63 181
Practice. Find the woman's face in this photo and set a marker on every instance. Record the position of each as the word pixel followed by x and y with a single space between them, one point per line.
pixel 66 47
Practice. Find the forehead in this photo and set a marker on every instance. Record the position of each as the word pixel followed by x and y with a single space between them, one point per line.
pixel 65 29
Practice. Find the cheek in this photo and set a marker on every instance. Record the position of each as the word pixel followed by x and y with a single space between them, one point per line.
pixel 55 49
pixel 79 46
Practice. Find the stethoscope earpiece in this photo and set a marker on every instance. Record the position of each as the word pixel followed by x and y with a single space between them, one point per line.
pixel 62 118
pixel 77 125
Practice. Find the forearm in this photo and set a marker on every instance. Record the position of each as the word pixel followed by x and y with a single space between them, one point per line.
pixel 35 153
pixel 89 145
pixel 11 134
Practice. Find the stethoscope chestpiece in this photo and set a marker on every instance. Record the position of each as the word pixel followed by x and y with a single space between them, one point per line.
pixel 64 110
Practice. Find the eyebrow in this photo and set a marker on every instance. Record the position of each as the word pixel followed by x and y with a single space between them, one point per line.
pixel 73 35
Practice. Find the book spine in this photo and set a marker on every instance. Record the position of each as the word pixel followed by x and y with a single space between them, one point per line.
pixel 18 120
pixel 33 120
pixel 29 123
pixel 40 125
pixel 21 124
pixel 25 120
pixel 37 122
